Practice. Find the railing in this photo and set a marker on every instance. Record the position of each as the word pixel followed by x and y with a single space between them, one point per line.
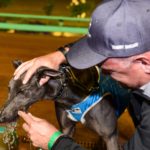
pixel 59 26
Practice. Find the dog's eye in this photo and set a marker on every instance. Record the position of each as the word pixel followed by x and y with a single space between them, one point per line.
pixel 19 91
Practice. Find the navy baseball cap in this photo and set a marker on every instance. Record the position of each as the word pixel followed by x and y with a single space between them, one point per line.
pixel 118 28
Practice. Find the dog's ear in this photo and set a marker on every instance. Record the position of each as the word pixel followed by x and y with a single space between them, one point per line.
pixel 44 71
pixel 16 63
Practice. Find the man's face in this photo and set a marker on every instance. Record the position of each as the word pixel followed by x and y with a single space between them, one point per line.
pixel 128 71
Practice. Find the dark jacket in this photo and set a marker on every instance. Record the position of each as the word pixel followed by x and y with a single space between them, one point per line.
pixel 140 112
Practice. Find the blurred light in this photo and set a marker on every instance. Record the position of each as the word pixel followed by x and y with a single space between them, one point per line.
pixel 11 31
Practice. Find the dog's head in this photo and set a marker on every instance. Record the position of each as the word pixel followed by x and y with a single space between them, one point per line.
pixel 21 96
pixel 66 85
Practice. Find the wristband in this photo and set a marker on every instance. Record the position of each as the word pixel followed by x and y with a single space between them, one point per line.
pixel 63 50
pixel 53 138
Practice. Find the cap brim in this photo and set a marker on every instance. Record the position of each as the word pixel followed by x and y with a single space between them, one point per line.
pixel 81 56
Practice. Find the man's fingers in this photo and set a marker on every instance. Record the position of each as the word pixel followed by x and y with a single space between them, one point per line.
pixel 34 118
pixel 27 118
pixel 19 67
pixel 21 70
pixel 29 73
pixel 26 127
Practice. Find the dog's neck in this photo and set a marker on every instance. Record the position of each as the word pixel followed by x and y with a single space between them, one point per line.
pixel 75 85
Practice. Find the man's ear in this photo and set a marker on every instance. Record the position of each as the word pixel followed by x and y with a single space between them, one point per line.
pixel 145 62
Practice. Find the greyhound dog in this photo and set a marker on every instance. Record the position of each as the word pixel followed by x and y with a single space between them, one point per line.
pixel 68 88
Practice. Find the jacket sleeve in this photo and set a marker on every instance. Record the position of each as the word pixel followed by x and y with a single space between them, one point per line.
pixel 66 143
pixel 141 138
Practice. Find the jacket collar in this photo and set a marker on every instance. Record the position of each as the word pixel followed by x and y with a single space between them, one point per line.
pixel 143 91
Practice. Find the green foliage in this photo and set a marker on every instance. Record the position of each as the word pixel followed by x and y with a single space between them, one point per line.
pixel 4 3
pixel 49 7
pixel 78 9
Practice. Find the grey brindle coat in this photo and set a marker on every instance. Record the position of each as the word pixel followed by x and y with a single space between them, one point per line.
pixel 66 87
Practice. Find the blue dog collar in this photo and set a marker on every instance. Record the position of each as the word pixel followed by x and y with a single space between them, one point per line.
pixel 78 111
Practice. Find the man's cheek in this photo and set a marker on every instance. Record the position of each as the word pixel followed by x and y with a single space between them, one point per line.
pixel 109 63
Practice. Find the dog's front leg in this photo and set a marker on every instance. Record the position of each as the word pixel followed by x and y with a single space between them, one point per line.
pixel 67 126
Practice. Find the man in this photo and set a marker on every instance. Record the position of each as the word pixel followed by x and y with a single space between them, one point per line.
pixel 118 40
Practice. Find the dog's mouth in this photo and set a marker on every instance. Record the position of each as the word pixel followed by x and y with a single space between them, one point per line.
pixel 4 118
pixel 23 108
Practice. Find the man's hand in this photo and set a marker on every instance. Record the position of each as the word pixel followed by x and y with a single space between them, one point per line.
pixel 38 130
pixel 52 60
